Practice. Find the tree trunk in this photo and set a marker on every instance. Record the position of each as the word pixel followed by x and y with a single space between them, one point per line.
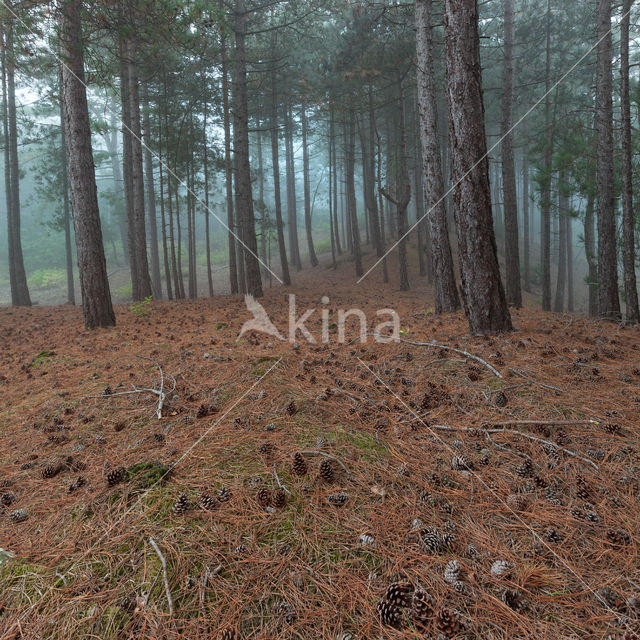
pixel 277 198
pixel 563 211
pixel 264 230
pixel 207 230
pixel 334 164
pixel 512 252
pixel 352 212
pixel 233 265
pixel 243 192
pixel 590 252
pixel 165 252
pixel 628 227
pixel 66 207
pixel 307 186
pixel 19 289
pixel 292 213
pixel 525 216
pixel 569 250
pixel 94 283
pixel 545 182
pixel 445 291
pixel 156 279
pixel 607 256
pixel 484 296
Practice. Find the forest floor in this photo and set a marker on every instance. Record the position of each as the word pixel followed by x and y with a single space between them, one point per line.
pixel 528 532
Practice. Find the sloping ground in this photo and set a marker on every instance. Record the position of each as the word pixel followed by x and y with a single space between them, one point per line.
pixel 502 535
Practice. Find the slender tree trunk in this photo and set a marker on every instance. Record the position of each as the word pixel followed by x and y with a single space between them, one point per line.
pixel 190 231
pixel 569 251
pixel 307 186
pixel 243 192
pixel 525 216
pixel 174 257
pixel 445 291
pixel 484 296
pixel 233 265
pixel 207 230
pixel 292 205
pixel 66 206
pixel 545 204
pixel 352 212
pixel 263 207
pixel 94 283
pixel 590 251
pixel 165 252
pixel 512 252
pixel 277 198
pixel 607 256
pixel 628 227
pixel 563 211
pixel 369 185
pixel 180 284
pixel 334 162
pixel 156 279
pixel 19 289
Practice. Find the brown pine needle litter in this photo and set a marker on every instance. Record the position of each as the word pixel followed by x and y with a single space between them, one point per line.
pixel 565 565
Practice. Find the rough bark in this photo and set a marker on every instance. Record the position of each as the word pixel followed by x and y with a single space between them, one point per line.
pixel 307 185
pixel 628 227
pixel 156 281
pixel 545 182
pixel 228 167
pixel 94 284
pixel 352 213
pixel 207 225
pixel 19 289
pixel 292 205
pixel 608 299
pixel 563 211
pixel 526 241
pixel 66 207
pixel 334 164
pixel 511 237
pixel 445 291
pixel 590 252
pixel 163 219
pixel 277 197
pixel 243 191
pixel 484 296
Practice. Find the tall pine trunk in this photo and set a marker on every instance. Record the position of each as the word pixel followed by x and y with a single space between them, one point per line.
pixel 352 213
pixel 445 291
pixel 292 205
pixel 66 206
pixel 608 298
pixel 94 283
pixel 628 227
pixel 563 212
pixel 243 191
pixel 307 186
pixel 511 237
pixel 545 182
pixel 17 275
pixel 207 230
pixel 526 240
pixel 484 296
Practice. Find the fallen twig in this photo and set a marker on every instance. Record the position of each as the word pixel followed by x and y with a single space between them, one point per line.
pixel 522 374
pixel 549 423
pixel 437 345
pixel 275 473
pixel 165 577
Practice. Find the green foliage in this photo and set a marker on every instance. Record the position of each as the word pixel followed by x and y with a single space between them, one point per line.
pixel 47 278
pixel 141 309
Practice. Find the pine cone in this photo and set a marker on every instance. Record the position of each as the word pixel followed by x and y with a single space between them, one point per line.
pixel 279 499
pixel 390 614
pixel 181 505
pixel 266 449
pixel 299 465
pixel 525 470
pixel 446 622
pixel 399 593
pixel 208 502
pixel 227 634
pixel 452 572
pixel 517 502
pixel 461 463
pixel 263 497
pixel 116 476
pixel 338 499
pixel 7 499
pixel 19 515
pixel 291 408
pixel 501 568
pixel 421 607
pixel 431 540
pixel 224 494
pixel 76 484
pixel 513 599
pixel 500 399
pixel 327 472
pixel 551 535
pixel 51 470
pixel 618 538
